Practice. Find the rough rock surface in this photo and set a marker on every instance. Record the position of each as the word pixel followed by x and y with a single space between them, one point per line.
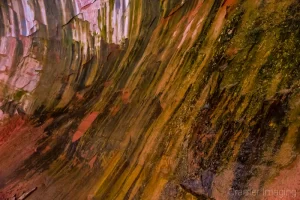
pixel 149 99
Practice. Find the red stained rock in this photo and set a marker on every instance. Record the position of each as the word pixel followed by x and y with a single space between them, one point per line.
pixel 77 136
pixel 84 126
pixel 12 127
pixel 229 2
pixel 92 161
pixel 46 149
pixel 79 96
pixel 19 139
pixel 125 96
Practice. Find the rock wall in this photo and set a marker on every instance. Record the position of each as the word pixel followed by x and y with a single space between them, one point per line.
pixel 151 99
pixel 45 44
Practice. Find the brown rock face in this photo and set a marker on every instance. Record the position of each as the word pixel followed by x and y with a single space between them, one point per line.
pixel 149 99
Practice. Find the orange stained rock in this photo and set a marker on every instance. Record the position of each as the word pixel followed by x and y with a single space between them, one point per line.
pixel 92 161
pixel 114 110
pixel 48 148
pixel 79 96
pixel 84 125
pixel 229 2
pixel 125 96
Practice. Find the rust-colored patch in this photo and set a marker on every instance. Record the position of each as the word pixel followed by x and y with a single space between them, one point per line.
pixel 17 189
pixel 229 2
pixel 20 143
pixel 77 136
pixel 84 125
pixel 114 110
pixel 92 161
pixel 125 96
pixel 10 128
pixel 79 96
pixel 46 149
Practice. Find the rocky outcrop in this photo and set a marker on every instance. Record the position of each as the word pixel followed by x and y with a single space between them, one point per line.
pixel 150 99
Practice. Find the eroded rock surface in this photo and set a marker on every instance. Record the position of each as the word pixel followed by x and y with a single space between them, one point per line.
pixel 149 99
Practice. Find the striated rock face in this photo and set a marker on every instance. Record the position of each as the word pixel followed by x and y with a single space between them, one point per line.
pixel 45 45
pixel 149 99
